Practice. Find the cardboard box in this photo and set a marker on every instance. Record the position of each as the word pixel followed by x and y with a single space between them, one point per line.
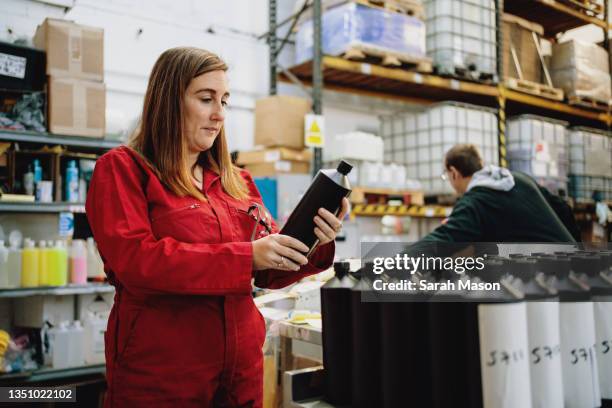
pixel 73 50
pixel 518 32
pixel 279 121
pixel 77 107
pixel 581 69
pixel 34 311
pixel 272 155
pixel 281 166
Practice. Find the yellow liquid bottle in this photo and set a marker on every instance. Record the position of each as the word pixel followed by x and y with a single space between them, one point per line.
pixel 29 265
pixel 59 262
pixel 44 258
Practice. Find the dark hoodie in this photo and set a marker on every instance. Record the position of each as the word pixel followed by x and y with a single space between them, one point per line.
pixel 504 206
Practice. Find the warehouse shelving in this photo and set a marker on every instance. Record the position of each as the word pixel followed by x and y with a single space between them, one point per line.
pixel 415 211
pixel 54 139
pixel 554 16
pixel 37 207
pixel 51 374
pixel 414 87
pixel 57 290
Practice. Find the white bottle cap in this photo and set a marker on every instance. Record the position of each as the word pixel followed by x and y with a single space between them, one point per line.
pixel 42 244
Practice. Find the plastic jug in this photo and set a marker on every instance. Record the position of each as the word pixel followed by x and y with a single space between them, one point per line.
pixel 326 190
pixel 29 264
pixel 94 327
pixel 14 266
pixel 95 266
pixel 78 262
pixel 59 260
pixel 4 271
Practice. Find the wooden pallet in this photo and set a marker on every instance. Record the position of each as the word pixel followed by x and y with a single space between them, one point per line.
pixel 589 7
pixel 411 8
pixel 387 58
pixel 441 199
pixel 467 75
pixel 587 102
pixel 368 195
pixel 534 88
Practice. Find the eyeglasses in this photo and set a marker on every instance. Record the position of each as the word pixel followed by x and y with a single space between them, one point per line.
pixel 444 175
pixel 261 217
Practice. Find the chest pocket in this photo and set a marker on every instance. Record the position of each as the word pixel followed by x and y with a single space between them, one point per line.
pixel 250 222
pixel 192 223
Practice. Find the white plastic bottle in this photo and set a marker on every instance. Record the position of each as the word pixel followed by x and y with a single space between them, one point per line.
pixel 4 271
pixel 95 327
pixel 95 266
pixel 14 266
pixel 59 343
pixel 76 356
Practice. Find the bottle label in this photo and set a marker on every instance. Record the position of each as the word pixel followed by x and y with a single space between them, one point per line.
pixel 503 355
pixel 578 359
pixel 545 354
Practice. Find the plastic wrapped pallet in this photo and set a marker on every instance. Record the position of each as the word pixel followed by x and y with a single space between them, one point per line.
pixel 353 146
pixel 461 35
pixel 373 30
pixel 581 188
pixel 420 140
pixel 538 146
pixel 518 33
pixel 410 7
pixel 581 69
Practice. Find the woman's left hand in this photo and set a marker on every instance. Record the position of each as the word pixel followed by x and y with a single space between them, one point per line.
pixel 328 225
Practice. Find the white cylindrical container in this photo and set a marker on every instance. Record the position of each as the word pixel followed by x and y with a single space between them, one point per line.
pixel 504 363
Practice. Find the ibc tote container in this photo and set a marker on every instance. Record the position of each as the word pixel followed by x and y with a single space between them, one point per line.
pixel 461 35
pixel 420 140
pixel 590 155
pixel 538 146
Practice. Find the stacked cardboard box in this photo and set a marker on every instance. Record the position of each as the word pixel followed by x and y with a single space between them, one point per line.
pixel 75 66
pixel 582 70
pixel 518 33
pixel 279 137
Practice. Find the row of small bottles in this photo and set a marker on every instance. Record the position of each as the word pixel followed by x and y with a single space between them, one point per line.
pixel 543 341
pixel 50 263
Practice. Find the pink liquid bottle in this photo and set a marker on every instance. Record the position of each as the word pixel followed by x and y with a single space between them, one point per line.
pixel 78 262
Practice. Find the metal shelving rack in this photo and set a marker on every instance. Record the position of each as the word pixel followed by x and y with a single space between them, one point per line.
pixel 414 87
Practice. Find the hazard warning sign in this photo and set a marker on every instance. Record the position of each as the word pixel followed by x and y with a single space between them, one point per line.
pixel 314 127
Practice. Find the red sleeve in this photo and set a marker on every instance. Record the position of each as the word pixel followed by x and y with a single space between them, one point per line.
pixel 321 259
pixel 117 211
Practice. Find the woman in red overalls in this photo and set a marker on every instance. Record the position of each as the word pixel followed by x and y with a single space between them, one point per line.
pixel 174 219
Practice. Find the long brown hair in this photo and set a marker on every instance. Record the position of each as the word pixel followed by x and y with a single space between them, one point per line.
pixel 161 125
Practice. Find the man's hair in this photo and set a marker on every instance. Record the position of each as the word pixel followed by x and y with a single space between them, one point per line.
pixel 465 158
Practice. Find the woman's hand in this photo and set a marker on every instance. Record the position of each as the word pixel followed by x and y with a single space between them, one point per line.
pixel 328 225
pixel 278 251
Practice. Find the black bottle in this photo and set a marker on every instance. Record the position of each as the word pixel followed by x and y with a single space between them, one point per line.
pixel 366 365
pixel 337 333
pixel 326 190
pixel 465 316
pixel 405 346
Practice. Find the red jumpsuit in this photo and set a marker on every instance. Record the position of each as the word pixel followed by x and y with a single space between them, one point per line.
pixel 183 330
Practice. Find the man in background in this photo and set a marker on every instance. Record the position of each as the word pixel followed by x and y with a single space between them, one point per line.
pixel 497 205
